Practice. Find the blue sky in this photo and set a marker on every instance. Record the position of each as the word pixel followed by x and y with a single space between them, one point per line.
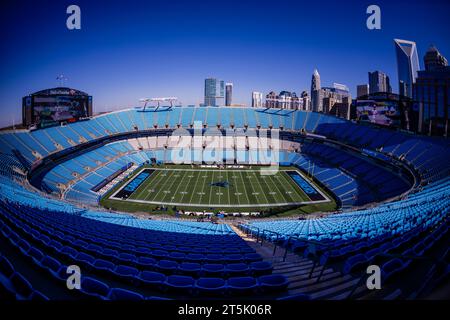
pixel 130 49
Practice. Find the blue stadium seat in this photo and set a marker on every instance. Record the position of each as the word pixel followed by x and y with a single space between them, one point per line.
pixel 145 262
pixel 179 284
pixel 52 265
pixel 6 267
pixel 273 282
pixel 212 269
pixel 94 288
pixel 123 294
pixel 85 260
pixel 242 285
pixel 152 279
pixel 190 268
pixel 353 263
pixel 125 272
pixel 391 268
pixel 211 286
pixel 236 269
pixel 261 268
pixel 21 285
pixel 252 257
pixel 38 296
pixel 166 266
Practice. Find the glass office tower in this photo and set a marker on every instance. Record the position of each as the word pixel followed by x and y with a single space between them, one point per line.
pixel 407 65
pixel 214 92
pixel 228 94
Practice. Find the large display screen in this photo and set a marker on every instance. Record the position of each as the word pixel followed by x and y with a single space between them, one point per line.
pixel 385 113
pixel 53 109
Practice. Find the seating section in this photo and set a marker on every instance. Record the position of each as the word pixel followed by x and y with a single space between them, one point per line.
pixel 174 258
pixel 14 286
pixel 353 180
pixel 424 208
pixel 425 154
pixel 128 258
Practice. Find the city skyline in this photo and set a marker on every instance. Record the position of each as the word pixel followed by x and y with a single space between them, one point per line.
pixel 117 64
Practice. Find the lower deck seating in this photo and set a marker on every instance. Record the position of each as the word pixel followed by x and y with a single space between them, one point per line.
pixel 170 263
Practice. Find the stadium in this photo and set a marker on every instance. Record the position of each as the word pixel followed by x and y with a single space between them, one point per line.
pixel 211 203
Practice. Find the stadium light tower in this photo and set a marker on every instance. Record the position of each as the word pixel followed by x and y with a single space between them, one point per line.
pixel 61 78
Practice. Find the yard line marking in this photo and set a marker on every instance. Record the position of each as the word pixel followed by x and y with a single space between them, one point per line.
pixel 268 189
pixel 163 186
pixel 218 205
pixel 211 188
pixel 281 192
pixel 156 182
pixel 237 191
pixel 260 187
pixel 228 190
pixel 245 188
pixel 195 187
pixel 186 186
pixel 167 187
pixel 138 193
pixel 250 185
pixel 181 183
pixel 203 187
pixel 295 187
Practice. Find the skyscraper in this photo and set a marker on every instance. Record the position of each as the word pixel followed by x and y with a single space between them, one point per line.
pixel 257 99
pixel 228 94
pixel 305 101
pixel 284 100
pixel 316 99
pixel 407 65
pixel 379 82
pixel 362 90
pixel 214 92
pixel 431 95
pixel 434 60
pixel 333 95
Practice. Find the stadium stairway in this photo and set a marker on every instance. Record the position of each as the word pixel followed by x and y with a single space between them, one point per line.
pixel 306 281
pixel 424 250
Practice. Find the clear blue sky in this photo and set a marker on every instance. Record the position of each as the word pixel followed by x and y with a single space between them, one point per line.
pixel 132 49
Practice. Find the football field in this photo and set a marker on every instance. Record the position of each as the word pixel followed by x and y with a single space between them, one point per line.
pixel 226 188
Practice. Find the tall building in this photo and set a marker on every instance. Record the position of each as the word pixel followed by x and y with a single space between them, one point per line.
pixel 257 99
pixel 379 82
pixel 214 92
pixel 434 60
pixel 432 95
pixel 305 100
pixel 284 100
pixel 332 95
pixel 316 98
pixel 362 90
pixel 228 94
pixel 407 65
pixel 343 109
pixel 271 99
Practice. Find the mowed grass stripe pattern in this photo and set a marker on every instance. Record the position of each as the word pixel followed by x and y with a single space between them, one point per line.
pixel 194 188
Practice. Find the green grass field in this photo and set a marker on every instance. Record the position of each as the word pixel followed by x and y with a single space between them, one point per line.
pixel 196 189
